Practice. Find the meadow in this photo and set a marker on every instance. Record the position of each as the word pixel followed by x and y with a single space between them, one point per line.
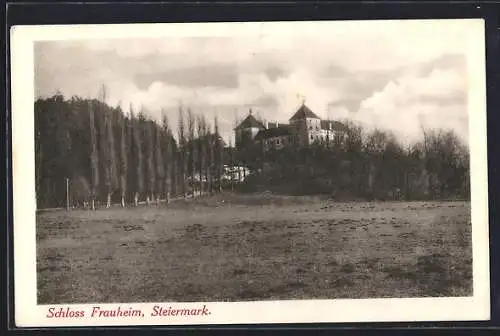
pixel 232 247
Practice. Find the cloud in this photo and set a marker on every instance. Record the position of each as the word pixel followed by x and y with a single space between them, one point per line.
pixel 266 100
pixel 194 77
pixel 445 62
pixel 411 101
pixel 380 73
pixel 275 72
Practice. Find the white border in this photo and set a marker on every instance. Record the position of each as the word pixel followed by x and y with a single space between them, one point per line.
pixel 29 314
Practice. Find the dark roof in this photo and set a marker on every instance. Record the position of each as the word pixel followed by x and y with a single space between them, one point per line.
pixel 304 112
pixel 336 125
pixel 250 122
pixel 273 132
pixel 276 125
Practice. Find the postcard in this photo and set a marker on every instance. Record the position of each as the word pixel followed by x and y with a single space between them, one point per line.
pixel 250 173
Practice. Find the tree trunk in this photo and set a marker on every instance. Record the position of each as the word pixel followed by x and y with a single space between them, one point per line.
pixel 211 183
pixel 232 179
pixel 123 201
pixel 208 178
pixel 136 199
pixel 185 185
pixel 193 173
pixel 184 182
pixel 201 182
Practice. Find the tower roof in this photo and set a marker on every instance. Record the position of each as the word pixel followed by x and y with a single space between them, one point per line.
pixel 250 122
pixel 304 112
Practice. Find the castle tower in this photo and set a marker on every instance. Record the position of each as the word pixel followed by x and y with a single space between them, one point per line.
pixel 246 131
pixel 305 125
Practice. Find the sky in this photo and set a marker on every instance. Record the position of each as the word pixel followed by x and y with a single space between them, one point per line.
pixel 393 75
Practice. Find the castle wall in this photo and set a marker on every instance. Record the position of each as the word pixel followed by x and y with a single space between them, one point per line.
pixel 307 130
pixel 277 142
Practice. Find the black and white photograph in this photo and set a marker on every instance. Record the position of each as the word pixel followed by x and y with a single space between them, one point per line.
pixel 250 172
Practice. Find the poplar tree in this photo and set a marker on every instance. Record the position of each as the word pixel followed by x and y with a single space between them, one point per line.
pixel 110 156
pixel 191 149
pixel 168 158
pixel 175 171
pixel 182 151
pixel 123 158
pixel 219 164
pixel 149 129
pixel 94 157
pixel 201 130
pixel 159 162
pixel 210 165
pixel 138 157
pixel 231 164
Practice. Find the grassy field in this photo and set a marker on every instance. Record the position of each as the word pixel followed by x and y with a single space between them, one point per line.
pixel 258 247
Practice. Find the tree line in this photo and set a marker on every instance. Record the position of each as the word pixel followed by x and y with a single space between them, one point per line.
pixel 112 156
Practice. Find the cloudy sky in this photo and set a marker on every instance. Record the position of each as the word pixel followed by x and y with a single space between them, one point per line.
pixel 390 75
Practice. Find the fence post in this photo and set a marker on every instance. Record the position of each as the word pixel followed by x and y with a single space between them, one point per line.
pixel 67 194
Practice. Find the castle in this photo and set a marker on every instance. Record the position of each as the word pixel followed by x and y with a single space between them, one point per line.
pixel 304 128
